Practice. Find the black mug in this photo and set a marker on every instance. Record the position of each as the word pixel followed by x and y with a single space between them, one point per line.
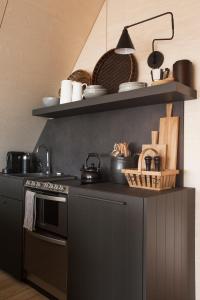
pixel 183 72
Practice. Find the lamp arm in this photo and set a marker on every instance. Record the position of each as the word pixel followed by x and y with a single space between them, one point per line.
pixel 155 17
pixel 165 39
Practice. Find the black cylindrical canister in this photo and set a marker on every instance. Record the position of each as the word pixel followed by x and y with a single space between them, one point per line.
pixel 119 163
pixel 183 72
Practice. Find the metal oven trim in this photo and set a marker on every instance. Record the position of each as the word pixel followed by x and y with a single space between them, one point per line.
pixel 52 240
pixel 51 198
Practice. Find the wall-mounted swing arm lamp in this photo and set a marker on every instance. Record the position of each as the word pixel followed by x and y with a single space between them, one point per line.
pixel 125 45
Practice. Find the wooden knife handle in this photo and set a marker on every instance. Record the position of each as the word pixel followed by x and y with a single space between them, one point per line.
pixel 169 108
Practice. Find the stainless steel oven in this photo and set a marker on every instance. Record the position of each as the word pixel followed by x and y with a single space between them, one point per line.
pixel 45 249
pixel 51 213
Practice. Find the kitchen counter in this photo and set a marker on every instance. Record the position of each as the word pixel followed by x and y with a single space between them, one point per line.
pixel 76 186
pixel 112 188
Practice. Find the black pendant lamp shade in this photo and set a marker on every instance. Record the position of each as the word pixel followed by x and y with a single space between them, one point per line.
pixel 125 45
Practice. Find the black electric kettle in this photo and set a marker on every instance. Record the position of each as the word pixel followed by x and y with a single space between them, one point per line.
pixel 92 173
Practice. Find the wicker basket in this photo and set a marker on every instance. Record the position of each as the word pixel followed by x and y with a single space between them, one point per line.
pixel 151 180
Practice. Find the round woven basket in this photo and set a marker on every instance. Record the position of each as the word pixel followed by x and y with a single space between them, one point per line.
pixel 113 69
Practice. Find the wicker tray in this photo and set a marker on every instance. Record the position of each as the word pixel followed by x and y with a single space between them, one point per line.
pixel 113 69
pixel 151 180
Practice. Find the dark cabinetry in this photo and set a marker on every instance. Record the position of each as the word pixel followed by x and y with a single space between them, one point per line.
pixel 105 239
pixel 10 235
pixel 11 208
pixel 169 246
pixel 133 245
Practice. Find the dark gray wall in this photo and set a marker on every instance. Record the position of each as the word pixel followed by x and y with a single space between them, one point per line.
pixel 71 139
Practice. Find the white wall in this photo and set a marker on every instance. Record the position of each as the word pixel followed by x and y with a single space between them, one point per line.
pixel 39 44
pixel 186 44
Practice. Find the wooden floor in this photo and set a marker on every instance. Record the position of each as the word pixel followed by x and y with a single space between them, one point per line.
pixel 10 289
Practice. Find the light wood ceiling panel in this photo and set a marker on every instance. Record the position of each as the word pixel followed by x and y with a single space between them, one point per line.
pixel 77 17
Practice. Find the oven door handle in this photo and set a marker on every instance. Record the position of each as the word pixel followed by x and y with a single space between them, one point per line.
pixel 51 198
pixel 55 241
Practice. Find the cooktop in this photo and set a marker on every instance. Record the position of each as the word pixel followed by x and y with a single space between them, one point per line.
pixel 60 185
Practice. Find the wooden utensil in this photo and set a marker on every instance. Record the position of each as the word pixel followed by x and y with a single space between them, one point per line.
pixel 161 148
pixel 121 149
pixel 169 127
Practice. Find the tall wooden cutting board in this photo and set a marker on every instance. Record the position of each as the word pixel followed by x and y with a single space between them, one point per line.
pixel 169 127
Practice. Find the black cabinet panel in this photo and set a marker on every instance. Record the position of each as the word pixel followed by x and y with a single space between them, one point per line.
pixel 11 186
pixel 105 248
pixel 131 245
pixel 10 235
pixel 169 246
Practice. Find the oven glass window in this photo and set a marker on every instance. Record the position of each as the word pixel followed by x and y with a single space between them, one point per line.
pixel 51 212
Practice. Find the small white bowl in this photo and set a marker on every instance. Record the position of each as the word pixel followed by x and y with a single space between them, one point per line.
pixel 50 101
pixel 97 93
pixel 94 87
pixel 132 84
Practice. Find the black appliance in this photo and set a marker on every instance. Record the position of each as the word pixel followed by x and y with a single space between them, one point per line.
pixel 45 249
pixel 26 163
pixel 14 162
pixel 91 173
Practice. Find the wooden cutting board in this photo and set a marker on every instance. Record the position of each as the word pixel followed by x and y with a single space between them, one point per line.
pixel 160 148
pixel 169 127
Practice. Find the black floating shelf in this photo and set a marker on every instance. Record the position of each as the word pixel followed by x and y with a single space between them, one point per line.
pixel 165 93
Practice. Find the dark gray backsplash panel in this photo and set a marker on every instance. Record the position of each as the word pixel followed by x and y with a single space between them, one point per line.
pixel 71 139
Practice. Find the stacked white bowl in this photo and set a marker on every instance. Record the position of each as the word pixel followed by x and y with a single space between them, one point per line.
pixel 50 101
pixel 129 86
pixel 94 91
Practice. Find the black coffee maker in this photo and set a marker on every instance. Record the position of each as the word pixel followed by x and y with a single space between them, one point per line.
pixel 14 161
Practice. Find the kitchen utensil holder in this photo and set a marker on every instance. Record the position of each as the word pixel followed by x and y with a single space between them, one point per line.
pixel 151 180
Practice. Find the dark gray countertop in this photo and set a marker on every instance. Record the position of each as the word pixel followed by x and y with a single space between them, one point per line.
pixel 108 187
pixel 99 189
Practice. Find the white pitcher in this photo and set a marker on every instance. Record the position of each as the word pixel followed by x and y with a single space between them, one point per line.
pixel 77 93
pixel 66 91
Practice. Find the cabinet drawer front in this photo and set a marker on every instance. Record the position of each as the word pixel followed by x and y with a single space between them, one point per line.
pixel 46 260
pixel 11 187
pixel 105 248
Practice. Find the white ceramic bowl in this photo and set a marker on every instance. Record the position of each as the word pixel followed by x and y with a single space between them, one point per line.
pixel 96 93
pixel 130 89
pixel 132 84
pixel 50 101
pixel 94 87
